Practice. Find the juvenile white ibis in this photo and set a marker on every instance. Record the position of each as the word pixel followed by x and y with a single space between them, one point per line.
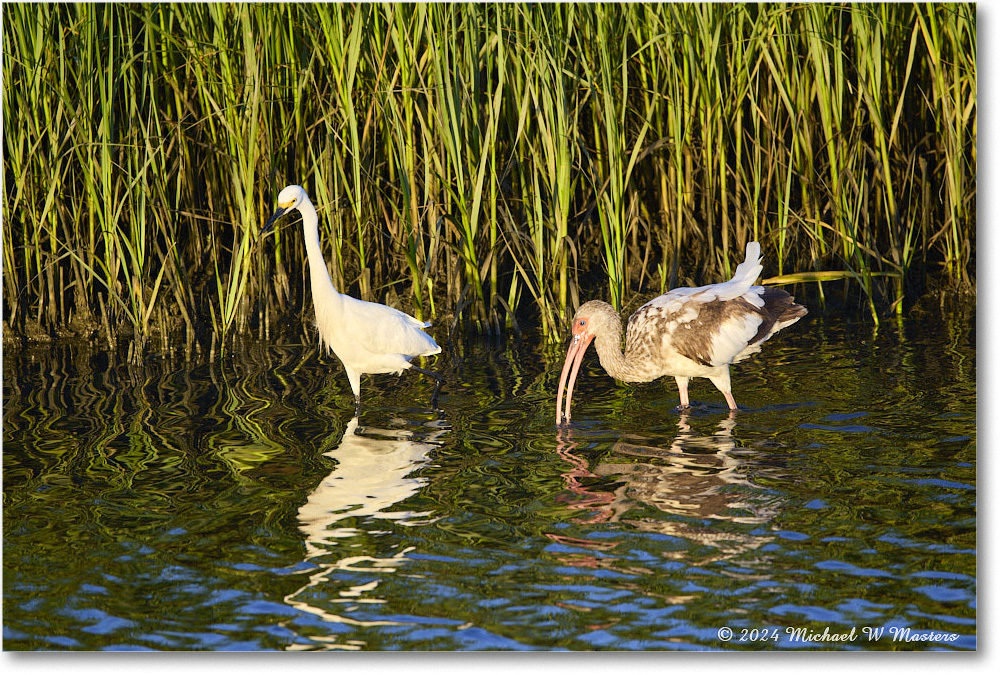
pixel 686 332
pixel 365 336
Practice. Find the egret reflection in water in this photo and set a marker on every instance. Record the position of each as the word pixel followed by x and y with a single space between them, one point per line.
pixel 373 473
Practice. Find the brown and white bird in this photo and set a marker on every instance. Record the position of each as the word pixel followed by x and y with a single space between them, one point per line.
pixel 686 332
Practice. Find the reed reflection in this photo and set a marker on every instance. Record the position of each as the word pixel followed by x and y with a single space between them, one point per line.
pixel 373 473
pixel 696 478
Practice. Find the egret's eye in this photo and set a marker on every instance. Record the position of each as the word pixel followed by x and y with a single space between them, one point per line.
pixel 582 322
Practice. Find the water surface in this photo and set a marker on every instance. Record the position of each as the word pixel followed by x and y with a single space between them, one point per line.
pixel 237 506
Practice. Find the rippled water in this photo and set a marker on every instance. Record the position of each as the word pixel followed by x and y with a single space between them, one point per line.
pixel 237 505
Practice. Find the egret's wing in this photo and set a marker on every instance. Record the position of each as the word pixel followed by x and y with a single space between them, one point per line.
pixel 384 330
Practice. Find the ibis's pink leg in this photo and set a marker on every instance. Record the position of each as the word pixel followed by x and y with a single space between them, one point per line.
pixel 682 387
pixel 730 400
pixel 721 383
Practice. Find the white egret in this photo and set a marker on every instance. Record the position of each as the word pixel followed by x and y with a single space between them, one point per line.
pixel 365 336
pixel 686 332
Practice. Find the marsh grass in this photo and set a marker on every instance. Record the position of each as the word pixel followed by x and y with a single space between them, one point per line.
pixel 481 165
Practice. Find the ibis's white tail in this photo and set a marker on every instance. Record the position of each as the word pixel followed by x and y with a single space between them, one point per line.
pixel 746 273
pixel 748 270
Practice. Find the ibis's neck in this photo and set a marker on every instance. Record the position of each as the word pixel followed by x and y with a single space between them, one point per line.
pixel 609 351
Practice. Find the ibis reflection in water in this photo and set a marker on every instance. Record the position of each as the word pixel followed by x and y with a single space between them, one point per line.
pixel 700 479
pixel 685 333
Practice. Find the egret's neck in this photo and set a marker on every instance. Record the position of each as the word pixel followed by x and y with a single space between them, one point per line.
pixel 322 285
pixel 616 363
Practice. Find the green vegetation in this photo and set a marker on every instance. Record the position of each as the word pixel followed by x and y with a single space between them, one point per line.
pixel 484 165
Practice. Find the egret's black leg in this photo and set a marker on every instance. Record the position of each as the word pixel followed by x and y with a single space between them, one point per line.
pixel 437 385
pixel 437 389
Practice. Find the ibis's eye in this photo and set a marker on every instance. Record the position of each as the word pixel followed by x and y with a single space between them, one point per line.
pixel 582 322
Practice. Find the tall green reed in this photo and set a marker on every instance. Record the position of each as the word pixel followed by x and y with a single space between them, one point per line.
pixel 615 153
pixel 489 164
pixel 545 128
pixel 405 27
pixel 950 41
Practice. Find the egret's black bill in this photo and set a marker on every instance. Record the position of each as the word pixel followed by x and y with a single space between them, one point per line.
pixel 272 220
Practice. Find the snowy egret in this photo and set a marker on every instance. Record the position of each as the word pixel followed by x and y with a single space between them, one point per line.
pixel 365 336
pixel 686 332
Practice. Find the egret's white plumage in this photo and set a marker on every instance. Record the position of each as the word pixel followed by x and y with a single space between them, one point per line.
pixel 365 336
pixel 686 332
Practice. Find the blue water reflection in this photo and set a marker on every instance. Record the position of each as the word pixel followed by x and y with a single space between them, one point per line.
pixel 181 505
